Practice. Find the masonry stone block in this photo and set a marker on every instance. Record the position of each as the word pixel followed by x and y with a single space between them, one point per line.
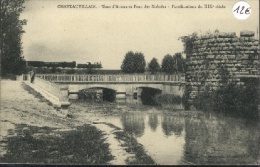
pixel 210 56
pixel 244 57
pixel 234 40
pixel 222 35
pixel 247 33
pixel 231 57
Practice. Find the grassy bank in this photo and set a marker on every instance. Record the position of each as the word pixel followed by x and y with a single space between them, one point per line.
pixel 44 145
pixel 133 147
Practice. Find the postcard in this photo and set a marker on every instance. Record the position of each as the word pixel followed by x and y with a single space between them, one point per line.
pixel 118 82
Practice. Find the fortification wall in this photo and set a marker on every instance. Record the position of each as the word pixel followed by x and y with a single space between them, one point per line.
pixel 219 58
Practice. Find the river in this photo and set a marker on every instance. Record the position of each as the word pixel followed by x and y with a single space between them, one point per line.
pixel 32 132
pixel 173 136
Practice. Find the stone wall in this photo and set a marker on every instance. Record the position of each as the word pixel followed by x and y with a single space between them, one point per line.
pixel 218 58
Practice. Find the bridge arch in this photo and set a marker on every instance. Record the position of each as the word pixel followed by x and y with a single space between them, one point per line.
pixel 100 87
pixel 99 93
pixel 77 87
pixel 150 87
pixel 148 94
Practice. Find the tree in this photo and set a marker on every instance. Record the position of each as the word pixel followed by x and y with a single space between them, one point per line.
pixel 12 61
pixel 154 66
pixel 133 62
pixel 128 63
pixel 139 62
pixel 188 43
pixel 179 63
pixel 168 64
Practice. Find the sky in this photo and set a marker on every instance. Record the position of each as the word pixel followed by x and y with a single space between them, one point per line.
pixel 105 35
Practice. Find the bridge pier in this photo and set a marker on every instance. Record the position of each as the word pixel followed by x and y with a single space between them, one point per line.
pixel 74 96
pixel 120 95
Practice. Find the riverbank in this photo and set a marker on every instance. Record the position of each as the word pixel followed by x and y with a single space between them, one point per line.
pixel 33 132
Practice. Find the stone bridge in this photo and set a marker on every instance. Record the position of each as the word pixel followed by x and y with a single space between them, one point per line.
pixel 123 85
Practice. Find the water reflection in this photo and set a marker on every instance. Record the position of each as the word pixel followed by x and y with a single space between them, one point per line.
pixel 172 125
pixel 149 132
pixel 220 141
pixel 153 121
pixel 133 124
pixel 195 137
pixel 172 106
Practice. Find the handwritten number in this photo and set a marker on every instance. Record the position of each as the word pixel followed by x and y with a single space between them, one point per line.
pixel 242 10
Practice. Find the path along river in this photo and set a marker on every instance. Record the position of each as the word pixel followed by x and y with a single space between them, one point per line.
pixel 168 134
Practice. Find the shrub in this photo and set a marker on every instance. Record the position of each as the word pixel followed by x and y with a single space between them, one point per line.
pixel 231 99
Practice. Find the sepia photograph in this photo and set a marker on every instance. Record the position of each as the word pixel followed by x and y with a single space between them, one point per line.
pixel 119 82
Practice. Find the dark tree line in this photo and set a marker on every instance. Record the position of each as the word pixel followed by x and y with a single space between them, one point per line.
pixel 135 63
pixel 12 61
pixel 173 64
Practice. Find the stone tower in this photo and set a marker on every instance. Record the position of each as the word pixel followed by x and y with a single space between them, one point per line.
pixel 219 58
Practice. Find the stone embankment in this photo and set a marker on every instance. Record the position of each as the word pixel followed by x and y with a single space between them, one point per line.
pixel 56 94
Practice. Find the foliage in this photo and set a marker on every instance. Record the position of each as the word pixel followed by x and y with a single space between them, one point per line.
pixel 173 64
pixel 224 74
pixel 204 100
pixel 168 64
pixel 84 145
pixel 133 63
pixel 12 60
pixel 188 43
pixel 230 98
pixel 186 97
pixel 180 62
pixel 154 66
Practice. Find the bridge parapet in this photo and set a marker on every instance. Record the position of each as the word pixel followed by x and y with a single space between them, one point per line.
pixel 113 78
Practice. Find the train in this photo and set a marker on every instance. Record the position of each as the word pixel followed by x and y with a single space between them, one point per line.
pixel 64 64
